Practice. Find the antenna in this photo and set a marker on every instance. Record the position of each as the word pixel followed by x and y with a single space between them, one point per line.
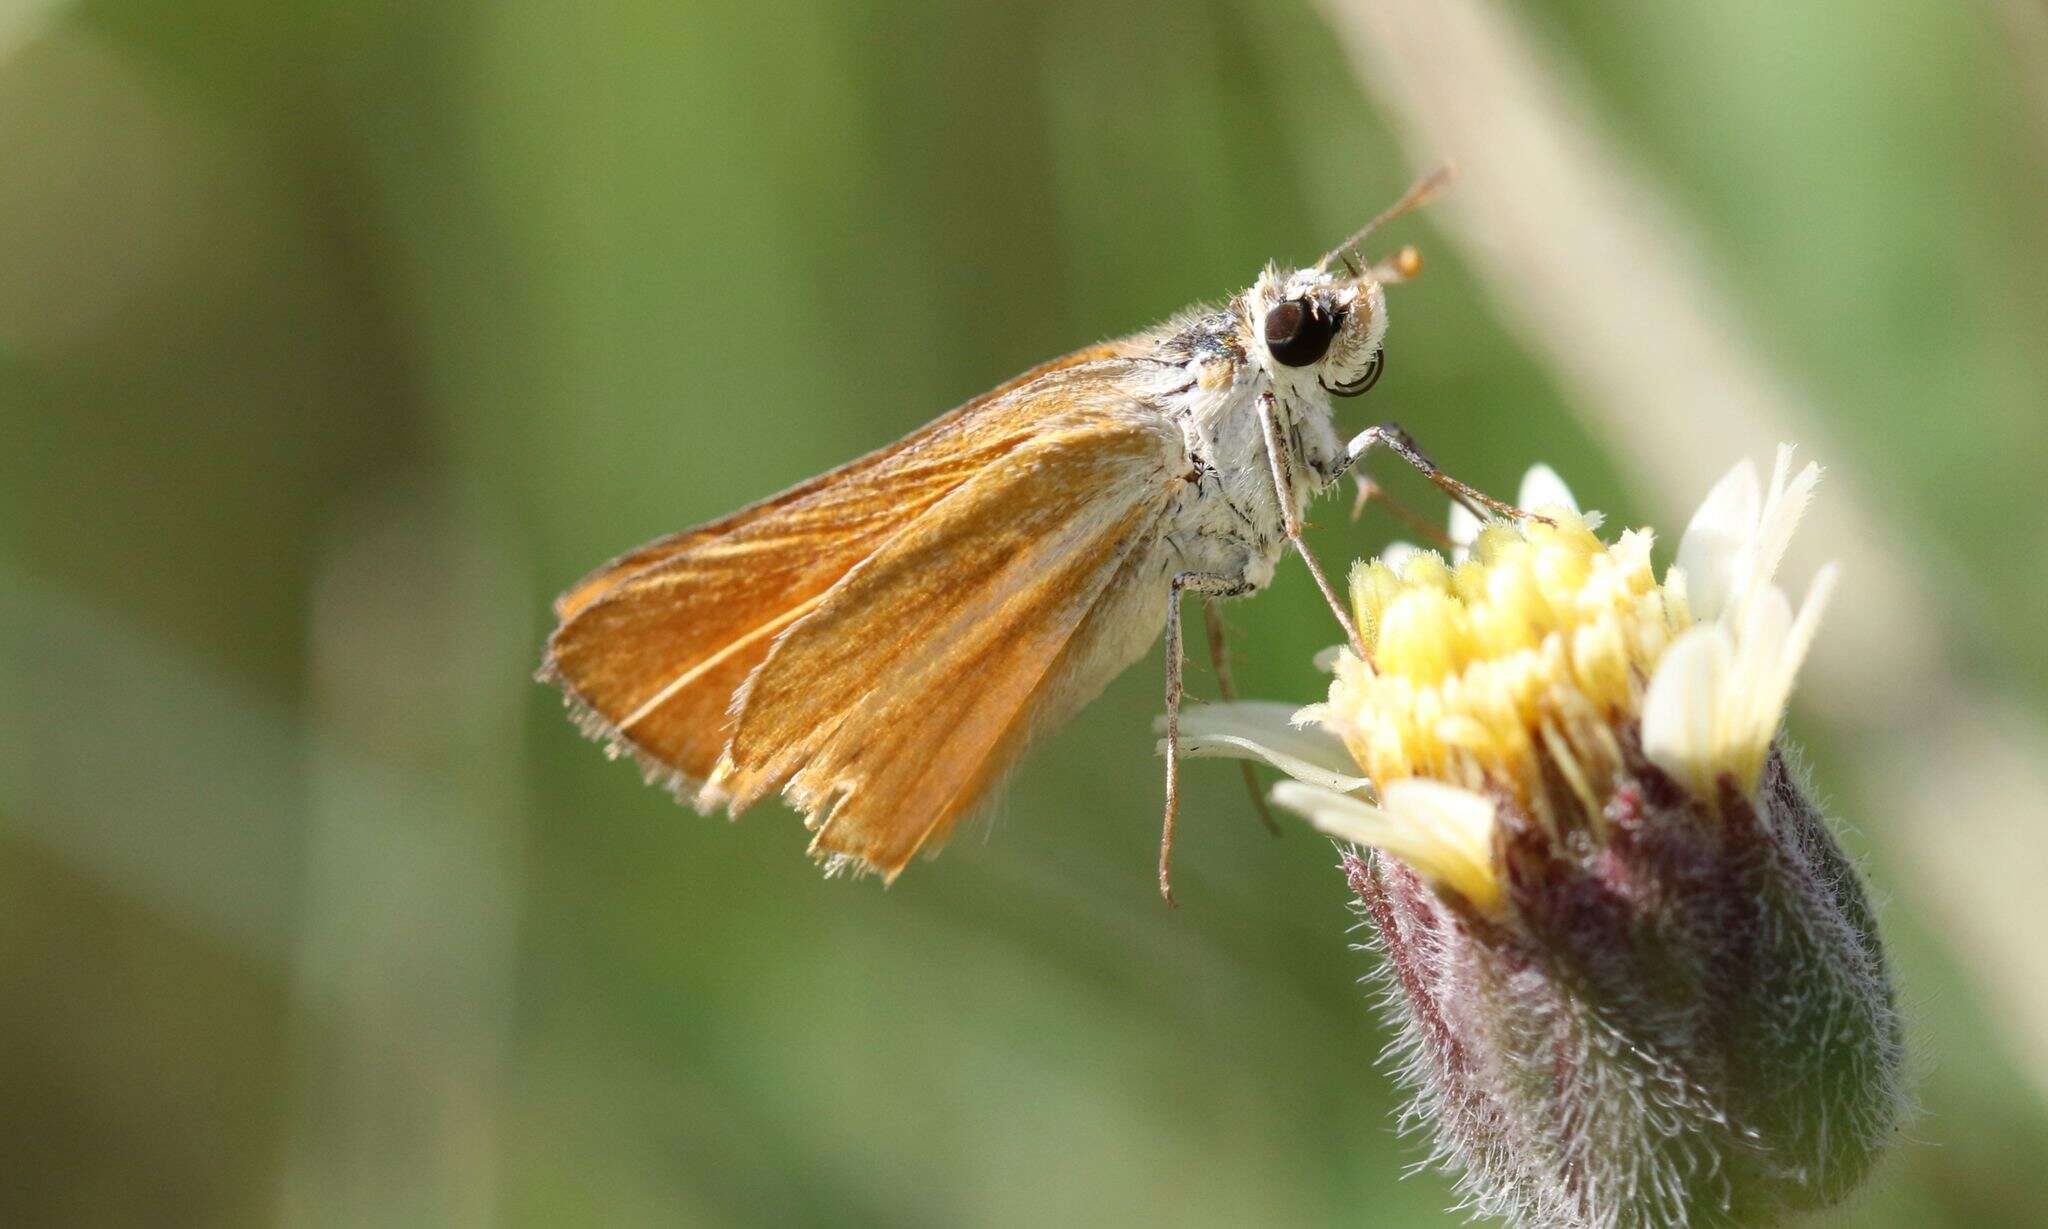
pixel 1424 190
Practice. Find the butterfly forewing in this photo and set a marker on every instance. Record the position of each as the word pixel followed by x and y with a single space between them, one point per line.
pixel 881 638
pixel 890 710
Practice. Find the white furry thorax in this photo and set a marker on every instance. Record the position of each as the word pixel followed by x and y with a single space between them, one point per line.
pixel 1215 367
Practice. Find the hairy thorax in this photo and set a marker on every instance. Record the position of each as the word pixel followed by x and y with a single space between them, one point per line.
pixel 1226 521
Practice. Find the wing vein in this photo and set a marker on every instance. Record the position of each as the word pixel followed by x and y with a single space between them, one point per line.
pixel 712 662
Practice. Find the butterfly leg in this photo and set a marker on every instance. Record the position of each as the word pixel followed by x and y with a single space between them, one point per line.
pixel 1370 491
pixel 1215 585
pixel 1290 522
pixel 1219 658
pixel 1390 436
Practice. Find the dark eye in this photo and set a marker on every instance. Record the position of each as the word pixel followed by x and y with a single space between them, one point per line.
pixel 1298 332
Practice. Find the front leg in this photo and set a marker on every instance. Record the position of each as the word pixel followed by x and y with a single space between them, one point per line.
pixel 1215 585
pixel 1290 522
pixel 1389 435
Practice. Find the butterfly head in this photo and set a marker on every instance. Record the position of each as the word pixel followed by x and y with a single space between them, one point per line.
pixel 1317 327
pixel 1325 325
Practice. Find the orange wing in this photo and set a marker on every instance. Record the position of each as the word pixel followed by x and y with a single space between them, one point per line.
pixel 888 712
pixel 652 645
pixel 808 506
pixel 890 630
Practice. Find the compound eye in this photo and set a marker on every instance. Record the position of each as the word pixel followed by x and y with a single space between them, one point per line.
pixel 1299 331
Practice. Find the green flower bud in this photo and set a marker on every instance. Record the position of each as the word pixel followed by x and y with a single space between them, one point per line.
pixel 1686 1023
pixel 1636 979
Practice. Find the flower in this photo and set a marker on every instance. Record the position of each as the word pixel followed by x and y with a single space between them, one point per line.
pixel 1638 982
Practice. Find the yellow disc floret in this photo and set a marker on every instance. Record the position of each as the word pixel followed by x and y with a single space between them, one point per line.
pixel 1508 673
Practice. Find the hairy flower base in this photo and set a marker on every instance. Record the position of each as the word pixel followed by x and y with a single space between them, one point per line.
pixel 1638 982
pixel 1688 1023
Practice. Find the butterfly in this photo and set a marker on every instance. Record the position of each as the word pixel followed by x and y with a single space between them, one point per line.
pixel 880 643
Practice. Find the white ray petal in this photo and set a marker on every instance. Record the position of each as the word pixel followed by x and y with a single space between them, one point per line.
pixel 1762 625
pixel 1398 553
pixel 1259 719
pixel 1259 730
pixel 1807 624
pixel 1464 531
pixel 1682 705
pixel 1436 844
pixel 1457 813
pixel 1340 815
pixel 1543 488
pixel 1723 526
pixel 1781 513
pixel 1779 669
pixel 1238 747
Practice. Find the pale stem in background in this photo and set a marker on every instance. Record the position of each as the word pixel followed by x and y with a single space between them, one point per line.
pixel 1597 274
pixel 2025 23
pixel 22 20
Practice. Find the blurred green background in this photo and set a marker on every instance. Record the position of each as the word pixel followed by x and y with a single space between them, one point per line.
pixel 335 338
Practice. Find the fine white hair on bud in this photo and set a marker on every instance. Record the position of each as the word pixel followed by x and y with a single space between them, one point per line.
pixel 1636 981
